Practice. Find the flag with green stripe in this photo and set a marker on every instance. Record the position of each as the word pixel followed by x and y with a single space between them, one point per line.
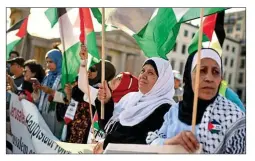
pixel 69 22
pixel 66 20
pixel 15 34
pixel 213 33
pixel 88 36
pixel 154 29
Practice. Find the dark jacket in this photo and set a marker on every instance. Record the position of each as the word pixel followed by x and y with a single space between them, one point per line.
pixel 131 134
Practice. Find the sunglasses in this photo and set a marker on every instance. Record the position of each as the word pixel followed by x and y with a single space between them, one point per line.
pixel 92 69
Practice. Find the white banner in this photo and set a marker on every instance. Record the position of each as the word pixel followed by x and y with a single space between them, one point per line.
pixel 147 149
pixel 30 133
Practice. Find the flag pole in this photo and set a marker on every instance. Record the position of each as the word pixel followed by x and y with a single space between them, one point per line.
pixel 82 27
pixel 64 49
pixel 22 47
pixel 103 59
pixel 194 113
pixel 91 115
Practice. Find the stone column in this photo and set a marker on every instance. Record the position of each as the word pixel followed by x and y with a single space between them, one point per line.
pixel 130 63
pixel 123 58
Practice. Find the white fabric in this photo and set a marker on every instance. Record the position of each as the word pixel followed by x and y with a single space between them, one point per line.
pixel 64 133
pixel 82 84
pixel 177 75
pixel 58 97
pixel 135 106
pixel 207 53
pixel 93 95
pixel 71 109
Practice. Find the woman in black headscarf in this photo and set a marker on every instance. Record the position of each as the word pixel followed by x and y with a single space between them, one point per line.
pixel 220 124
pixel 78 113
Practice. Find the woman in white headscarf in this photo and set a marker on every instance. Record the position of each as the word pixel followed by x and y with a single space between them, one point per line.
pixel 220 124
pixel 137 113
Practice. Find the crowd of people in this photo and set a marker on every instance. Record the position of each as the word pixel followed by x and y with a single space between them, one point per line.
pixel 154 108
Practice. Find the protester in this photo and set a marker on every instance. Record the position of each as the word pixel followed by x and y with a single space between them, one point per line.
pixel 48 95
pixel 122 84
pixel 31 70
pixel 80 122
pixel 177 86
pixel 220 124
pixel 17 79
pixel 12 55
pixel 10 84
pixel 135 114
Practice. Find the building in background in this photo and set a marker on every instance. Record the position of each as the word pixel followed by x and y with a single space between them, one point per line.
pixel 235 27
pixel 234 51
pixel 123 51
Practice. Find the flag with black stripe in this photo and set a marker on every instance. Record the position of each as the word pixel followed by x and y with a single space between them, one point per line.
pixel 213 33
pixel 15 34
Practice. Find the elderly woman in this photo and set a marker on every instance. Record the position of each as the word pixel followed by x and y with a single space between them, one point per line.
pixel 137 113
pixel 220 124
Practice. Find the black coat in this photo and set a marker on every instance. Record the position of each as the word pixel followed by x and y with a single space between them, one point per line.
pixel 131 134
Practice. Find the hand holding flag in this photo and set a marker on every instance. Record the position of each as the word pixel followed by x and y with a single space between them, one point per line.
pixel 83 52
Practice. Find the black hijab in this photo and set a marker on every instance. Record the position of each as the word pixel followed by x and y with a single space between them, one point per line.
pixel 186 105
pixel 110 72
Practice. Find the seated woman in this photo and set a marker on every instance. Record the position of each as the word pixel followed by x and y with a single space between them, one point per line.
pixel 137 113
pixel 220 124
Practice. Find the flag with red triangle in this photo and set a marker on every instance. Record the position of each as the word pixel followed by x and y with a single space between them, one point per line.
pixel 70 22
pixel 213 33
pixel 15 34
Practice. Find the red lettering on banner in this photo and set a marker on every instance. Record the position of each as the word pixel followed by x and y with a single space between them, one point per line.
pixel 18 115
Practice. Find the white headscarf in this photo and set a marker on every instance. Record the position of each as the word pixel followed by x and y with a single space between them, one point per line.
pixel 207 53
pixel 136 107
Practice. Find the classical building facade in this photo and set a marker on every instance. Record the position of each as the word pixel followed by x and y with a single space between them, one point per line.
pixel 120 48
pixel 123 51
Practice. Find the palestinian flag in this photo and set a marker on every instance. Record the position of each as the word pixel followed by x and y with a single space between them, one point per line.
pixel 155 29
pixel 213 33
pixel 15 34
pixel 99 133
pixel 42 25
pixel 69 39
pixel 88 36
pixel 68 20
pixel 214 127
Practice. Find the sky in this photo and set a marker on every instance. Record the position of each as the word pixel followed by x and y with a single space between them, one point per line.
pixel 50 34
pixel 197 21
